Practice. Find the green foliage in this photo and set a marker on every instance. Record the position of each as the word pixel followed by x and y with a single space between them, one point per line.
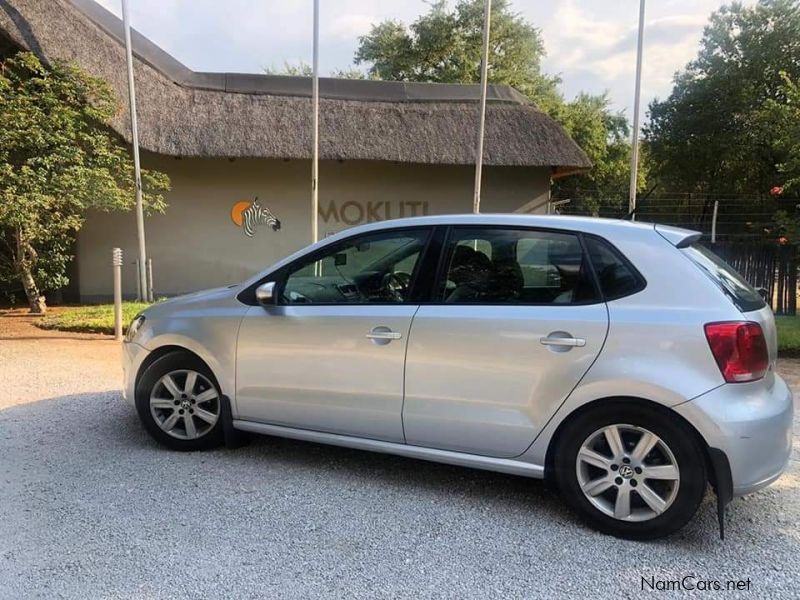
pixel 58 159
pixel 786 226
pixel 91 319
pixel 349 73
pixel 444 45
pixel 605 137
pixel 783 116
pixel 710 135
pixel 788 335
pixel 303 69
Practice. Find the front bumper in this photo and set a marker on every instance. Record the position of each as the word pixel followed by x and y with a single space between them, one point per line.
pixel 752 424
pixel 132 357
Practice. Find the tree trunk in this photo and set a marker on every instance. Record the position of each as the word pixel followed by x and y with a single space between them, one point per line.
pixel 24 261
pixel 35 299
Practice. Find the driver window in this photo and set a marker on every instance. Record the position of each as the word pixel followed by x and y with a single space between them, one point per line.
pixel 375 268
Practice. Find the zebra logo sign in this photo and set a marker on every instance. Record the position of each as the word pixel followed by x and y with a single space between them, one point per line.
pixel 249 215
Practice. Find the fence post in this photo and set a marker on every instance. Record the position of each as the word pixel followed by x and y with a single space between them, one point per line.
pixel 116 261
pixel 150 280
pixel 714 222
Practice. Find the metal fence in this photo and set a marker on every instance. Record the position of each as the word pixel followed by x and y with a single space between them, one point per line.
pixel 747 232
pixel 733 217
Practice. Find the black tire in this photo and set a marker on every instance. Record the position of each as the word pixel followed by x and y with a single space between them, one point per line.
pixel 175 361
pixel 673 432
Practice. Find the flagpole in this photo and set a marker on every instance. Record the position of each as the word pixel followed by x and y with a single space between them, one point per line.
pixel 315 151
pixel 635 133
pixel 137 168
pixel 476 202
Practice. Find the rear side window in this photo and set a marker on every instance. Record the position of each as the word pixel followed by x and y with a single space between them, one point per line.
pixel 616 276
pixel 514 266
pixel 735 287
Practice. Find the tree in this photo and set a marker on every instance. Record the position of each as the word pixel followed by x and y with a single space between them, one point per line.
pixel 303 69
pixel 445 46
pixel 605 137
pixel 782 115
pixel 709 136
pixel 58 158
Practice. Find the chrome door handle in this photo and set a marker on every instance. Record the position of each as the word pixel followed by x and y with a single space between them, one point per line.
pixel 566 341
pixel 379 334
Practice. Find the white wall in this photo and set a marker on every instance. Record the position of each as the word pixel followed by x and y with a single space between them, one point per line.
pixel 195 244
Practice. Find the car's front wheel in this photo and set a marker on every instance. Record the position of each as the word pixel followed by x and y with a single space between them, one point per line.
pixel 630 470
pixel 179 402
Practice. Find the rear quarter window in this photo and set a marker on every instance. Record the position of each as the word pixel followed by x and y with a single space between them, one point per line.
pixel 741 293
pixel 615 275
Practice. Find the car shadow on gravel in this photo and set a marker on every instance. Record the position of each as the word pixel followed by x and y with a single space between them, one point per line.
pixel 117 428
pixel 56 442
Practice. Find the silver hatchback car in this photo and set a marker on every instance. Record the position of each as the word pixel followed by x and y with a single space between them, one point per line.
pixel 623 361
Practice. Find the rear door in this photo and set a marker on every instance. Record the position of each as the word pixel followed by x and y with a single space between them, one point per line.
pixel 514 324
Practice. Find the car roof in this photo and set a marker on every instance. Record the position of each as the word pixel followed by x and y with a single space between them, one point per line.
pixel 573 223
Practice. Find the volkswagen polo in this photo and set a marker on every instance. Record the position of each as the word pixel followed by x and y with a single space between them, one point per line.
pixel 625 362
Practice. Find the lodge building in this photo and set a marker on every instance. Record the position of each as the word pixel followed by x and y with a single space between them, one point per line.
pixel 237 148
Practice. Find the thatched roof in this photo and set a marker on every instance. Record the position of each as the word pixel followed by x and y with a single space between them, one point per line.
pixel 185 113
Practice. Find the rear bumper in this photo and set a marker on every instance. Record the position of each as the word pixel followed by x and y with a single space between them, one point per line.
pixel 132 357
pixel 752 424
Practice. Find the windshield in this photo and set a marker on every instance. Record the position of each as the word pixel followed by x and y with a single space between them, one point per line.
pixel 735 287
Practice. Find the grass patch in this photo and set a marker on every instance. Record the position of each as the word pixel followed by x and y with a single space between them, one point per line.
pixel 98 318
pixel 788 335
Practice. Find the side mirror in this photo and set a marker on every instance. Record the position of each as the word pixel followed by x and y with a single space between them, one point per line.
pixel 265 293
pixel 340 259
pixel 764 293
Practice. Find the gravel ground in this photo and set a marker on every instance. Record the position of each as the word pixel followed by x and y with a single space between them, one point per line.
pixel 90 507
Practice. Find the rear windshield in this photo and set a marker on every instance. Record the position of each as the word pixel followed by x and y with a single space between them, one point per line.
pixel 735 287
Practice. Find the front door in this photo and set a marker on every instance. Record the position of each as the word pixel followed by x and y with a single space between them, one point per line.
pixel 514 325
pixel 329 356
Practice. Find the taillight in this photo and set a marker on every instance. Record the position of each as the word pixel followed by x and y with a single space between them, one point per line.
pixel 740 350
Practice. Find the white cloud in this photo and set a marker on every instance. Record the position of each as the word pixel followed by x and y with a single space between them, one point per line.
pixel 351 26
pixel 592 43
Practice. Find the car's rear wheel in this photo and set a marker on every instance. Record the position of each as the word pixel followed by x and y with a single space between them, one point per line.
pixel 179 402
pixel 630 470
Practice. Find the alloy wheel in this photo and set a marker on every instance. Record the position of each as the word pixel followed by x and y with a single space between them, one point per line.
pixel 185 404
pixel 627 472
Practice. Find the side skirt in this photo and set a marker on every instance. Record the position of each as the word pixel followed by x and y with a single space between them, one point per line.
pixel 487 463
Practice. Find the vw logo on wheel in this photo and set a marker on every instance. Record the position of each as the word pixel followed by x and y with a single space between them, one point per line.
pixel 626 471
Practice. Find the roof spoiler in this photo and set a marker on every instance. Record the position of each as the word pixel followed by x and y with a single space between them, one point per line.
pixel 680 238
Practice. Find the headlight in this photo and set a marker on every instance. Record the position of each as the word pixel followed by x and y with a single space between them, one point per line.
pixel 134 327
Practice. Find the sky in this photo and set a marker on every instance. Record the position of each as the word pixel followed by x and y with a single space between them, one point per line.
pixel 591 44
